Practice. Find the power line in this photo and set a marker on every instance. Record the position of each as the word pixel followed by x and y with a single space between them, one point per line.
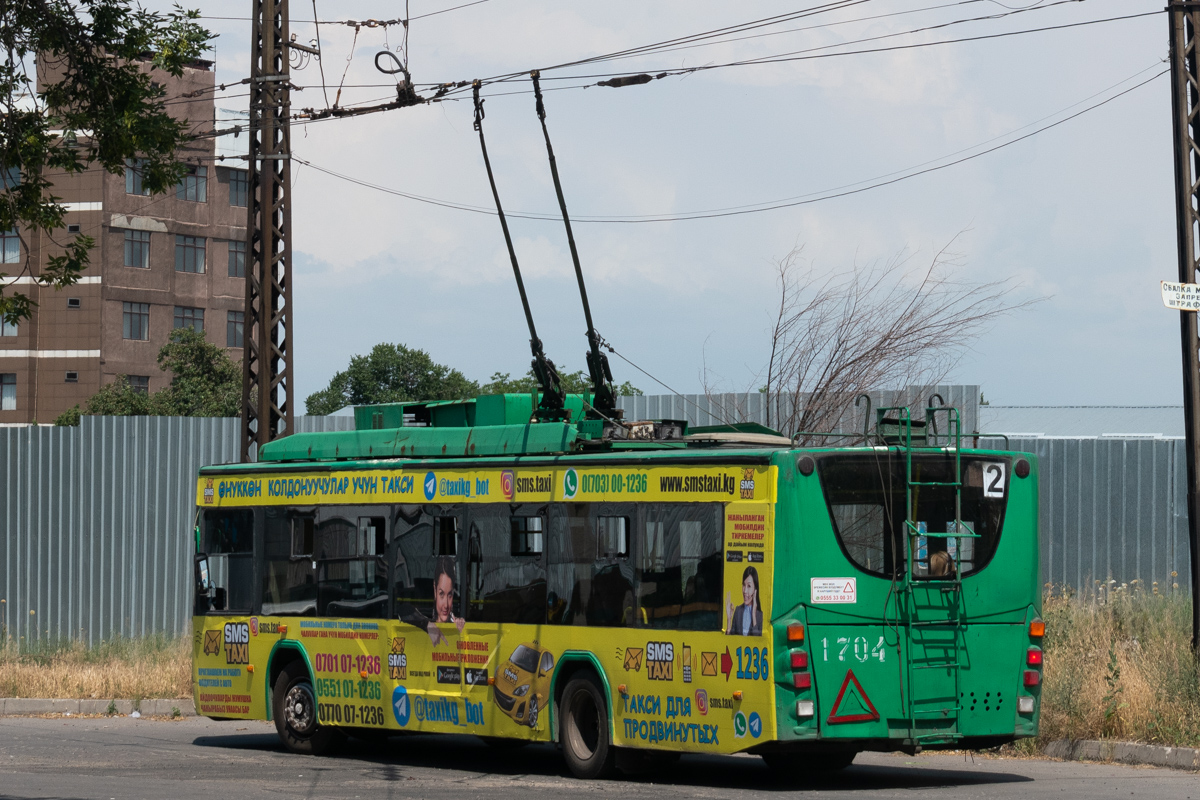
pixel 815 197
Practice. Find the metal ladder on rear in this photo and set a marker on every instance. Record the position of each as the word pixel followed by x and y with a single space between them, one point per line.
pixel 921 631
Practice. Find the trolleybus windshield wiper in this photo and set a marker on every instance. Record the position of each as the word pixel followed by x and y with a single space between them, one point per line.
pixel 553 400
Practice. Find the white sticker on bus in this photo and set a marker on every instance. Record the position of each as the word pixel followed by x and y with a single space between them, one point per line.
pixel 994 475
pixel 834 590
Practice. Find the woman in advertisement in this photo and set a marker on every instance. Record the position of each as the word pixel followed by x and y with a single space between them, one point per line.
pixel 443 604
pixel 746 619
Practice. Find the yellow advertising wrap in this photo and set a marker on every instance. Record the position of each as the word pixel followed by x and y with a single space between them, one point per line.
pixel 700 691
pixel 517 485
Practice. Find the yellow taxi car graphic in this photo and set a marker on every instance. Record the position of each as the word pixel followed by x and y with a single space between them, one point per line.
pixel 522 686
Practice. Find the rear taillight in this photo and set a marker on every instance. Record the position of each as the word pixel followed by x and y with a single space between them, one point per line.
pixel 1037 629
pixel 1032 677
pixel 798 658
pixel 1033 657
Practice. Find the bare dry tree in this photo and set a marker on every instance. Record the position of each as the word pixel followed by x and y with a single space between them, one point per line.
pixel 886 324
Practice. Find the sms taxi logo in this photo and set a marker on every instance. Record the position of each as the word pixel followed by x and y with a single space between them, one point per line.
pixel 660 661
pixel 212 642
pixel 397 660
pixel 208 491
pixel 237 643
pixel 508 480
pixel 747 485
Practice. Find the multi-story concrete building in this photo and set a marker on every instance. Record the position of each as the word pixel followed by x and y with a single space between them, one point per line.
pixel 160 262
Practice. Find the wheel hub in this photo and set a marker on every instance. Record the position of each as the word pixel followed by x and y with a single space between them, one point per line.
pixel 300 709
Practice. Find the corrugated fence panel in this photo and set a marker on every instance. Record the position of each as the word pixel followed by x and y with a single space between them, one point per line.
pixel 727 408
pixel 96 522
pixel 1111 508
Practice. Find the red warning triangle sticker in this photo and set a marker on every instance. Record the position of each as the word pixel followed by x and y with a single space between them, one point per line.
pixel 852 704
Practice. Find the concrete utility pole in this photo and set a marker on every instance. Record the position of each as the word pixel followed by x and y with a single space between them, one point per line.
pixel 1185 104
pixel 267 358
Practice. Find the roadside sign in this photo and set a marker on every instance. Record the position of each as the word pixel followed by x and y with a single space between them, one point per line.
pixel 1181 296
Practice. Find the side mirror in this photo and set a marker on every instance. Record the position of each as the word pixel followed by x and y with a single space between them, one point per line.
pixel 218 602
pixel 203 584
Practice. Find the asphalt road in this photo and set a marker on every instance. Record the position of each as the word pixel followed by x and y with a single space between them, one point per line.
pixel 196 758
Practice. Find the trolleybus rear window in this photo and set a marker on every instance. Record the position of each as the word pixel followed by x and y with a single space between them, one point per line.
pixel 866 495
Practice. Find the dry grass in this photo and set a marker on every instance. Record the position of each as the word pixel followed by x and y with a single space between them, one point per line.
pixel 1119 665
pixel 122 669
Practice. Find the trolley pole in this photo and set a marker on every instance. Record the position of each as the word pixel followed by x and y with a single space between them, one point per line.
pixel 1185 105
pixel 267 357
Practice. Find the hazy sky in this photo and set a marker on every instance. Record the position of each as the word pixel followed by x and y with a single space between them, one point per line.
pixel 1081 213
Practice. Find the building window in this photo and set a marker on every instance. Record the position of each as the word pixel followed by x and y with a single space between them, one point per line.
pixel 74 302
pixel 11 177
pixel 189 253
pixel 186 317
pixel 239 187
pixel 139 383
pixel 237 259
pixel 10 247
pixel 74 227
pixel 234 326
pixel 137 249
pixel 136 321
pixel 72 376
pixel 8 392
pixel 194 186
pixel 8 328
pixel 133 176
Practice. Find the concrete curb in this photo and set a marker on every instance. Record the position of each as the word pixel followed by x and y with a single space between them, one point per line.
pixel 1124 753
pixel 27 707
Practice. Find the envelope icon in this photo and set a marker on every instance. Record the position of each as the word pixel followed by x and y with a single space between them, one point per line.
pixel 708 664
pixel 212 642
pixel 633 658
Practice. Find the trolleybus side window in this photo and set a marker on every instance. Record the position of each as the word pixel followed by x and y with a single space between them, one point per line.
pixel 425 570
pixel 589 571
pixel 349 547
pixel 867 496
pixel 679 566
pixel 289 572
pixel 507 575
pixel 227 548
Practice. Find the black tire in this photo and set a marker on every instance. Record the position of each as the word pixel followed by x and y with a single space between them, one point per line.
pixel 585 736
pixel 294 706
pixel 797 766
pixel 531 718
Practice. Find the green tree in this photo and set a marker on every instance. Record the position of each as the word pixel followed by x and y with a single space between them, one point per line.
pixel 576 382
pixel 391 373
pixel 205 382
pixel 100 108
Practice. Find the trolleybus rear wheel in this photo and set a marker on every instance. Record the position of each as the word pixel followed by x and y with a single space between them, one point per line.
pixel 295 712
pixel 585 743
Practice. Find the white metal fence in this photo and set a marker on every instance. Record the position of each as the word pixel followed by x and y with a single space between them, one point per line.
pixel 96 522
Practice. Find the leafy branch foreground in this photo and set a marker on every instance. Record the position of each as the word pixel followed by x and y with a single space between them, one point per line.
pixel 1118 666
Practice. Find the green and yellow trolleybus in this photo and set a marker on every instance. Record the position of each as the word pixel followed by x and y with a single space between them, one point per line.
pixel 455 567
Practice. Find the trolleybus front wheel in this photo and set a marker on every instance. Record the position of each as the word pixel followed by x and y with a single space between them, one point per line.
pixel 585 743
pixel 295 712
